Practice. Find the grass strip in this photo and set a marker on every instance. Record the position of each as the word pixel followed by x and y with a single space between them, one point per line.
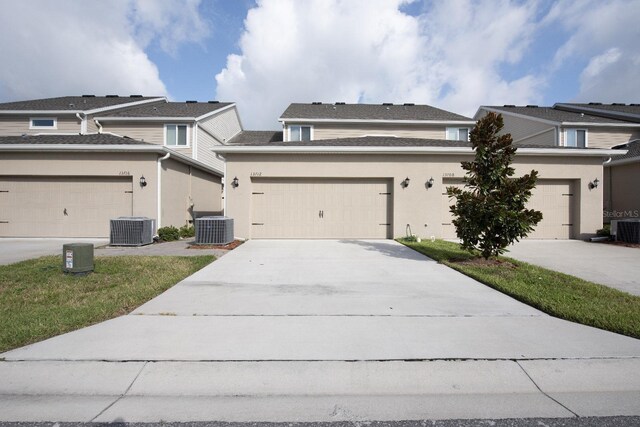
pixel 38 301
pixel 554 293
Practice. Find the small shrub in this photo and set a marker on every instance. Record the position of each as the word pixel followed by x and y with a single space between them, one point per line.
pixel 169 234
pixel 187 231
pixel 604 231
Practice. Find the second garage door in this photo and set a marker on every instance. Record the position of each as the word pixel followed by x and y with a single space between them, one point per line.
pixel 321 208
pixel 52 206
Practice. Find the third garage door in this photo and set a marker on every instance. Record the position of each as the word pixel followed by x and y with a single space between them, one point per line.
pixel 321 208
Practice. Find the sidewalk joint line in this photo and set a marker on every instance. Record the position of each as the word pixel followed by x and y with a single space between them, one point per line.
pixel 541 391
pixel 123 394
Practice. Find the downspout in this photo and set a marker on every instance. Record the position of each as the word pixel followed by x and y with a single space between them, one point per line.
pixel 160 160
pixel 98 124
pixel 83 123
pixel 224 184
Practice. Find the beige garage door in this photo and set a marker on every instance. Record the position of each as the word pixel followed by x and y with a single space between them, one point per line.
pixel 448 230
pixel 321 208
pixel 62 206
pixel 555 199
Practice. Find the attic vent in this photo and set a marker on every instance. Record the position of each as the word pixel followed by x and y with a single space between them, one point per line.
pixel 618 103
pixel 112 96
pixel 387 103
pixel 88 96
pixel 135 96
pixel 532 106
pixel 409 104
pixel 339 103
pixel 214 102
pixel 192 102
pixel 595 103
pixel 316 103
pixel 509 105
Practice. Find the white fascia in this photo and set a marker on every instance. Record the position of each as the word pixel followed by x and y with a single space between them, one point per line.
pixel 214 112
pixel 408 150
pixel 376 121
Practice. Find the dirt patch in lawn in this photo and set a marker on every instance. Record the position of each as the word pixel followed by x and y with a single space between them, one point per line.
pixel 228 246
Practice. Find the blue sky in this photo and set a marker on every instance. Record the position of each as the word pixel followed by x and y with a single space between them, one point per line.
pixel 453 54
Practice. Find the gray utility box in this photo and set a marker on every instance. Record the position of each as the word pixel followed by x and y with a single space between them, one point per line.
pixel 214 230
pixel 77 258
pixel 131 231
pixel 627 230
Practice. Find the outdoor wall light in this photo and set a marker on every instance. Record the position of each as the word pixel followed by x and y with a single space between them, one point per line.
pixel 143 181
pixel 594 184
pixel 235 182
pixel 430 182
pixel 405 182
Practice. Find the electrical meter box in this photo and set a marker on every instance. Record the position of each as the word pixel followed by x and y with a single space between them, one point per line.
pixel 77 258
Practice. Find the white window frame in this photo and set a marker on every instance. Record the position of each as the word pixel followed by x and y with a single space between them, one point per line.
pixel 176 145
pixel 32 126
pixel 586 136
pixel 457 129
pixel 300 126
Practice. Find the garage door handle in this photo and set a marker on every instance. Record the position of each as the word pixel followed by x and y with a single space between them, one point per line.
pixel 320 214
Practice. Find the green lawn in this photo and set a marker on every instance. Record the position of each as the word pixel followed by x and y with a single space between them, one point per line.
pixel 557 294
pixel 38 301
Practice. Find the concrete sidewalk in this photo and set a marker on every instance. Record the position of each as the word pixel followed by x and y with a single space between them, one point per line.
pixel 324 331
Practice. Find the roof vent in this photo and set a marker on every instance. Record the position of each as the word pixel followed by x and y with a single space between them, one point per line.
pixel 112 96
pixel 135 96
pixel 387 103
pixel 340 103
pixel 409 104
pixel 316 103
pixel 618 103
pixel 71 105
pixel 88 96
pixel 192 102
pixel 509 105
pixel 214 102
pixel 634 105
pixel 532 106
pixel 595 103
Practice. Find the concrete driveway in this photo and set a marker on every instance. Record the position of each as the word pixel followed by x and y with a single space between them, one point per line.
pixel 20 249
pixel 324 331
pixel 610 265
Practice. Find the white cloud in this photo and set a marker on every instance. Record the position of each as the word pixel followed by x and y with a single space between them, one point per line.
pixel 370 51
pixel 75 46
pixel 605 36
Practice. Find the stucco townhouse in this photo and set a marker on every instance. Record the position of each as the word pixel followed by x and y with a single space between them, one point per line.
pixel 69 164
pixel 592 125
pixel 340 170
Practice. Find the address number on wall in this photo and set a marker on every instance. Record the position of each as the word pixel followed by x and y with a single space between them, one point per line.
pixel 256 173
pixel 448 174
pixel 124 173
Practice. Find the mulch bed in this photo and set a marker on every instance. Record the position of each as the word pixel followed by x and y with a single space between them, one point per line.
pixel 228 247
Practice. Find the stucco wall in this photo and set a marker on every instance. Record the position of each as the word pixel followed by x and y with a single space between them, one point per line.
pixel 416 205
pixel 622 198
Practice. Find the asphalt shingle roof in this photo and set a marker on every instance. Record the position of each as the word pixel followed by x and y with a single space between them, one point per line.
pixel 88 139
pixel 251 137
pixel 555 115
pixel 633 150
pixel 170 109
pixel 627 112
pixel 370 112
pixel 72 103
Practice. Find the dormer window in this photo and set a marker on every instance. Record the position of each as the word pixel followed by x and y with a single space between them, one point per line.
pixel 176 135
pixel 43 123
pixel 458 134
pixel 299 133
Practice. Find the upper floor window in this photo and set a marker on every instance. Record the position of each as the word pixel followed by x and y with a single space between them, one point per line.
pixel 576 138
pixel 176 135
pixel 299 133
pixel 458 134
pixel 43 123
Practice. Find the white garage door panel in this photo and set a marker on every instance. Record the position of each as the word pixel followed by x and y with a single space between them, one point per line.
pixel 62 206
pixel 555 199
pixel 321 208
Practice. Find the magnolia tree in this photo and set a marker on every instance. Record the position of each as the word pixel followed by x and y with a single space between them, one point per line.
pixel 490 212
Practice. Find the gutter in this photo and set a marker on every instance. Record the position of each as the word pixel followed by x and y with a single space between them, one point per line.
pixel 415 122
pixel 159 177
pixel 98 124
pixel 83 122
